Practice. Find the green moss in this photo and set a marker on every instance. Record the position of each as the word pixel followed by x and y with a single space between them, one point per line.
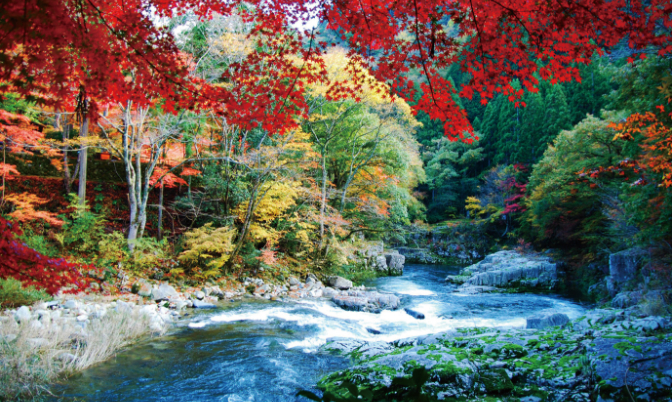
pixel 623 347
pixel 496 381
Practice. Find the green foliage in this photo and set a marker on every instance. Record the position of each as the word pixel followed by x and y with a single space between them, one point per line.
pixel 148 253
pixel 84 230
pixel 13 294
pixel 562 210
pixel 15 103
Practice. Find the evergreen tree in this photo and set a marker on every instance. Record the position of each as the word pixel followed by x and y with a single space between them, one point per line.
pixel 588 96
pixel 532 124
pixel 556 119
pixel 508 125
pixel 489 129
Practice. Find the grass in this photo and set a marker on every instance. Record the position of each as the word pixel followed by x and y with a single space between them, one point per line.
pixel 32 358
pixel 12 294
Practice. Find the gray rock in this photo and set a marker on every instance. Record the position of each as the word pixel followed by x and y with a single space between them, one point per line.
pixel 216 292
pixel 343 345
pixel 395 263
pixel 329 292
pixel 163 292
pixel 339 282
pixel 415 314
pixel 623 268
pixel 51 304
pixel 145 288
pixel 371 349
pixel 625 299
pixel 23 314
pixel 311 279
pixel 71 304
pixel 66 357
pixel 201 304
pixel 200 295
pixel 547 320
pixel 123 306
pixel 293 281
pixel 381 263
pixel 373 302
pixel 616 358
pixel 509 269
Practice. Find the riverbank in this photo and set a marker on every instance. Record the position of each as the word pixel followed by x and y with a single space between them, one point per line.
pixel 49 341
pixel 606 355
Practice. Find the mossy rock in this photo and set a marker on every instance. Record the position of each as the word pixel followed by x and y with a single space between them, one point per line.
pixel 496 381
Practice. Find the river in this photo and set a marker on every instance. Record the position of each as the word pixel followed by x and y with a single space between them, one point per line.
pixel 267 351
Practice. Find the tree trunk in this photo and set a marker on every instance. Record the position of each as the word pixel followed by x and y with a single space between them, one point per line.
pixel 323 200
pixel 159 234
pixel 83 132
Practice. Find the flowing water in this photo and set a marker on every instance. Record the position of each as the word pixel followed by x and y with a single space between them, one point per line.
pixel 267 351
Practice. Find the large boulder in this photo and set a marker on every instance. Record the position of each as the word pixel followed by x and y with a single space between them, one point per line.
pixel 372 302
pixel 506 269
pixel 547 320
pixel 395 263
pixel 164 292
pixel 23 314
pixel 338 282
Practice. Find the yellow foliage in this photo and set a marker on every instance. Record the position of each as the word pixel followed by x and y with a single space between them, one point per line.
pixel 207 247
pixel 276 199
pixel 473 205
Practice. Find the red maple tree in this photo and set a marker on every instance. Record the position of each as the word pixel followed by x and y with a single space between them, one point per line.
pixel 34 269
pixel 51 48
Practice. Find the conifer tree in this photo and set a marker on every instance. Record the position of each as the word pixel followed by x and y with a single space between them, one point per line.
pixel 556 119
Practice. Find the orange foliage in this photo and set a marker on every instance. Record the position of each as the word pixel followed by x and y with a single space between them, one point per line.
pixel 656 145
pixel 25 203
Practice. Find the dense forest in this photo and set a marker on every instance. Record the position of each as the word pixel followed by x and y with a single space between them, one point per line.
pixel 208 143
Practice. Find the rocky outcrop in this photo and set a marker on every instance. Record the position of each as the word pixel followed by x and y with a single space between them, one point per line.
pixel 623 268
pixel 509 269
pixel 372 255
pixel 395 263
pixel 608 355
pixel 368 301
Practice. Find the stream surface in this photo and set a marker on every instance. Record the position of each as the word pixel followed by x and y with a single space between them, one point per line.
pixel 268 351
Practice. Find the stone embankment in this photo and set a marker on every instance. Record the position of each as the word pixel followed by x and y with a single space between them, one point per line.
pixel 607 355
pixel 508 269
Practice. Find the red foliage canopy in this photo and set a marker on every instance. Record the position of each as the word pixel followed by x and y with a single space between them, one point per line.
pixel 51 47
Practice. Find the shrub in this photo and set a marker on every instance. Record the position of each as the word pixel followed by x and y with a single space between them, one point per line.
pixel 207 249
pixel 13 294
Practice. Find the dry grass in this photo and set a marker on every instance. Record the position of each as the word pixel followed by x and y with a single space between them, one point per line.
pixel 37 357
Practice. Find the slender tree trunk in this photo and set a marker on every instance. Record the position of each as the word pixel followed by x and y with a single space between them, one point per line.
pixel 159 234
pixel 82 162
pixel 323 200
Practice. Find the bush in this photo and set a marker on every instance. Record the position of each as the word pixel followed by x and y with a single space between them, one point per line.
pixel 84 231
pixel 13 294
